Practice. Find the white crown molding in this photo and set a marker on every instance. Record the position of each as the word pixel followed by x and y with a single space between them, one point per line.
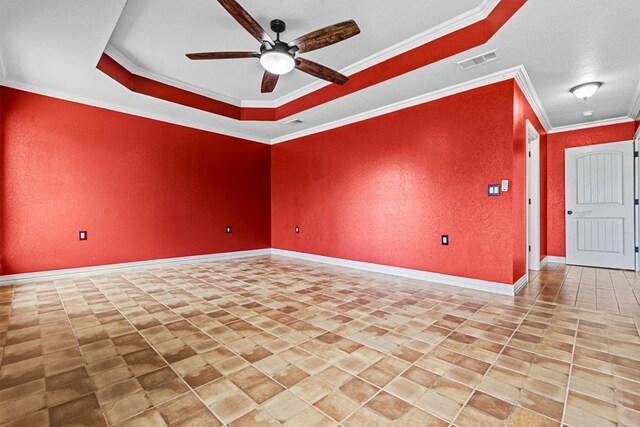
pixel 470 17
pixel 464 282
pixel 3 68
pixel 556 259
pixel 523 80
pixel 597 123
pixel 132 67
pixel 518 73
pixel 461 21
pixel 130 110
pixel 634 110
pixel 40 276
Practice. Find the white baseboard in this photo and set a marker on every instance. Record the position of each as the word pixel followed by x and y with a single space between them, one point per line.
pixel 39 276
pixel 521 283
pixel 557 259
pixel 544 262
pixel 465 282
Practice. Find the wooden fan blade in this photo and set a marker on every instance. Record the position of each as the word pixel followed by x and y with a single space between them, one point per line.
pixel 320 71
pixel 326 36
pixel 269 82
pixel 222 55
pixel 246 20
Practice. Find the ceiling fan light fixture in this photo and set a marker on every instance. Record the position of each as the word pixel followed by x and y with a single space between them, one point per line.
pixel 278 57
pixel 586 90
pixel 277 62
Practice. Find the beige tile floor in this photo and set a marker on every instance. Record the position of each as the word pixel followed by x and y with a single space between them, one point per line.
pixel 613 291
pixel 273 341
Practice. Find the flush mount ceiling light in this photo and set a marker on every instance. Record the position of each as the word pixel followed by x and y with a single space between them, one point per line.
pixel 586 90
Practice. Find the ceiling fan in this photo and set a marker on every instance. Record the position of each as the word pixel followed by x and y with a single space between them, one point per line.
pixel 278 57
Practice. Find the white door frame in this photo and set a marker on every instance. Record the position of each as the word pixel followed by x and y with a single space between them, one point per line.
pixel 636 194
pixel 533 198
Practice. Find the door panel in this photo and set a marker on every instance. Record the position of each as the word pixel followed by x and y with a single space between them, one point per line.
pixel 598 178
pixel 600 234
pixel 600 205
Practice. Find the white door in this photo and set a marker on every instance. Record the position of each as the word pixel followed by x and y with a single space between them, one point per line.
pixel 599 205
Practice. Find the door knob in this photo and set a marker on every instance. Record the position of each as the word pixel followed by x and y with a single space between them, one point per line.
pixel 569 212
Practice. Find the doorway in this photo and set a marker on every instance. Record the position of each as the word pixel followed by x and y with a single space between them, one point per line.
pixel 533 198
pixel 600 205
pixel 636 168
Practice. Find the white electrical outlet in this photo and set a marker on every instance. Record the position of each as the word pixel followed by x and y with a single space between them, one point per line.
pixel 505 185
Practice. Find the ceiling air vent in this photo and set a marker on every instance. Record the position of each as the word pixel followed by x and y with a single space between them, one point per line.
pixel 294 122
pixel 478 60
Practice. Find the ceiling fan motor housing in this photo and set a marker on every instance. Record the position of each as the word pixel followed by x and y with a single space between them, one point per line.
pixel 279 47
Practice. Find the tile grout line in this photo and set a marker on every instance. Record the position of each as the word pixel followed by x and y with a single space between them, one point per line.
pixel 360 315
pixel 332 364
pixel 382 389
pixel 573 353
pixel 192 391
pixel 221 344
pixel 13 295
pixel 492 364
pixel 311 354
pixel 310 338
pixel 612 289
pixel 411 364
pixel 564 282
pixel 474 389
pixel 314 355
pixel 75 336
pixel 615 293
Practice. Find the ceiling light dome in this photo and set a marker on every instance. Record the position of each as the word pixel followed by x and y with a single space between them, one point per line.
pixel 586 90
pixel 277 61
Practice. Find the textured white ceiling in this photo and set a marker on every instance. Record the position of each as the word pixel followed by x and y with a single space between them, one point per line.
pixel 53 47
pixel 156 34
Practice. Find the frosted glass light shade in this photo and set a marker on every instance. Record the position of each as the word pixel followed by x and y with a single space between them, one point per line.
pixel 277 62
pixel 586 91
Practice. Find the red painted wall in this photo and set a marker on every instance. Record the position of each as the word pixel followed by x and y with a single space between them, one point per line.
pixel 522 112
pixel 1 182
pixel 143 189
pixel 556 143
pixel 385 189
pixel 381 191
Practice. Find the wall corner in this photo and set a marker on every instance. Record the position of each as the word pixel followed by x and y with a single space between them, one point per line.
pixel 2 180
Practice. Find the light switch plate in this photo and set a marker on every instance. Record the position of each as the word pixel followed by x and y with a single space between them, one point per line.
pixel 494 189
